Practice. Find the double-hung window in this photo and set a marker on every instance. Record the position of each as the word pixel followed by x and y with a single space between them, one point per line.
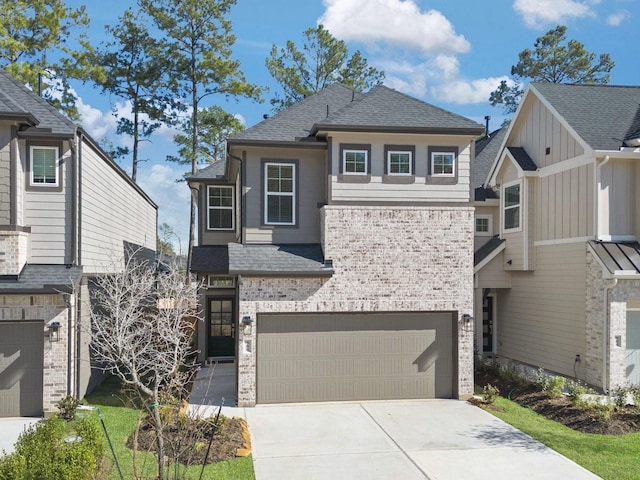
pixel 484 225
pixel 399 163
pixel 220 207
pixel 280 192
pixel 44 166
pixel 355 162
pixel 511 205
pixel 443 164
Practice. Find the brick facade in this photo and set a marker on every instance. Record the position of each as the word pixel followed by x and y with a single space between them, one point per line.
pixel 14 250
pixel 385 259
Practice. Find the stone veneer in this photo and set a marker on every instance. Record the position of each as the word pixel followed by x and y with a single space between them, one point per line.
pixel 385 259
pixel 45 308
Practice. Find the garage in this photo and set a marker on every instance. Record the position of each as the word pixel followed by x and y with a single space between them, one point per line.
pixel 21 360
pixel 348 356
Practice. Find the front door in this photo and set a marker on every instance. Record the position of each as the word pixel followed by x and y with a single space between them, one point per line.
pixel 222 328
pixel 487 324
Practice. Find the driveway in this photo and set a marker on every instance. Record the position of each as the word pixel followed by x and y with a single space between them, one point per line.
pixel 399 440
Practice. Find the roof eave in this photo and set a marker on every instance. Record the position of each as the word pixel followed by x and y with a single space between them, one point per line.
pixel 617 154
pixel 325 272
pixel 20 117
pixel 323 127
pixel 321 145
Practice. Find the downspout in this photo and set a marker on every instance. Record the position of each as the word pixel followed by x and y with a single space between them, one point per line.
pixel 73 257
pixel 241 189
pixel 79 205
pixel 596 213
pixel 606 342
pixel 67 301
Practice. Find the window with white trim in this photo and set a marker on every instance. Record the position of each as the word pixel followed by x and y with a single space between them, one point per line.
pixel 220 207
pixel 399 162
pixel 511 211
pixel 484 225
pixel 443 164
pixel 44 166
pixel 280 191
pixel 355 162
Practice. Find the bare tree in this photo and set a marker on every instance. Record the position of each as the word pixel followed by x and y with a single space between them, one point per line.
pixel 142 322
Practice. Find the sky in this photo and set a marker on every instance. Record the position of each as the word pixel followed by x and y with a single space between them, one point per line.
pixel 450 53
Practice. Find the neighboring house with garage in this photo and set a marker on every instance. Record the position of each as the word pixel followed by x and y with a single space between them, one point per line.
pixel 67 213
pixel 334 243
pixel 563 274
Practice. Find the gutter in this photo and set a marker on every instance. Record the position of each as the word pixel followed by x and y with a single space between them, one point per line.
pixel 73 146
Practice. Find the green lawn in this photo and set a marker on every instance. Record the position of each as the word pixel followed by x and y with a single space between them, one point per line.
pixel 611 457
pixel 120 422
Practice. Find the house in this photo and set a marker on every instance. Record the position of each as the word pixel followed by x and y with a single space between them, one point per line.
pixel 67 213
pixel 558 287
pixel 334 246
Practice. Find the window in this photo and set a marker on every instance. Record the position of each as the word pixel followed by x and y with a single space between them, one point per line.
pixel 220 208
pixel 355 161
pixel 484 225
pixel 44 166
pixel 443 164
pixel 511 196
pixel 399 163
pixel 279 208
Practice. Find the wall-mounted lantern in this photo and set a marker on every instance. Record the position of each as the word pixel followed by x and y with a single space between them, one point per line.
pixel 247 321
pixel 467 322
pixel 53 332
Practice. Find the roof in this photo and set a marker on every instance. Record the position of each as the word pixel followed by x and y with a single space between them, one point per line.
pixel 618 257
pixel 487 149
pixel 42 279
pixel 215 171
pixel 523 159
pixel 337 107
pixel 210 259
pixel 487 249
pixel 15 98
pixel 603 115
pixel 304 259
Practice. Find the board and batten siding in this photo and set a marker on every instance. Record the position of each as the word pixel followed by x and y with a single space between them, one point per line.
pixel 379 190
pixel 618 189
pixel 112 211
pixel 311 174
pixel 542 316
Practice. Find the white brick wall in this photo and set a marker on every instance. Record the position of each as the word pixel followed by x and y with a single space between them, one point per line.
pixel 14 251
pixel 385 259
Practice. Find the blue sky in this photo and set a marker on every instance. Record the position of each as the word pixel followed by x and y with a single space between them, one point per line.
pixel 448 53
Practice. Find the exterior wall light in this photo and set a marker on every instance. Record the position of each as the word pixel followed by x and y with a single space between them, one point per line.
pixel 467 321
pixel 53 331
pixel 247 320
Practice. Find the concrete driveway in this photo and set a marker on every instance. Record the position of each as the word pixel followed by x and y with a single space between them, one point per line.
pixel 430 439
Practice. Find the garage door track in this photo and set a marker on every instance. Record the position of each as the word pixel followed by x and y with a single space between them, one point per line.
pixel 412 440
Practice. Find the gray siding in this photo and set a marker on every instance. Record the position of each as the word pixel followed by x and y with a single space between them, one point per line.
pixel 112 211
pixel 541 318
pixel 5 174
pixel 617 191
pixel 493 275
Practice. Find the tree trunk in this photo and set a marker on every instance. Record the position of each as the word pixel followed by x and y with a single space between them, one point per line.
pixel 157 421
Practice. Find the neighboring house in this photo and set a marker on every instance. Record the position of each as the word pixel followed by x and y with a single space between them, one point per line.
pixel 67 213
pixel 334 243
pixel 561 282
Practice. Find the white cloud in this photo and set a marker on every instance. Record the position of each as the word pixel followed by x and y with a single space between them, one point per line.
pixel 467 92
pixel 538 13
pixel 392 23
pixel 98 123
pixel 615 19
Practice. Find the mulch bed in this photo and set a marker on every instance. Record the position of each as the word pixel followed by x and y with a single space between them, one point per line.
pixel 559 409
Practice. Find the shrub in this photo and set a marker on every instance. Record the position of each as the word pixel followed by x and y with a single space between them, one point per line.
pixel 635 393
pixel 576 389
pixel 42 452
pixel 67 407
pixel 489 393
pixel 556 384
pixel 541 380
pixel 619 395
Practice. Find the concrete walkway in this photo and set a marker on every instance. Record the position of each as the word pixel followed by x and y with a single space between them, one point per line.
pixel 400 440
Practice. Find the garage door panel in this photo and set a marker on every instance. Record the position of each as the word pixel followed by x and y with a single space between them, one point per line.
pixel 324 357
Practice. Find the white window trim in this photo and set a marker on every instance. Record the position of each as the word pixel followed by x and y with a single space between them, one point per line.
pixel 520 204
pixel 32 183
pixel 488 233
pixel 446 175
pixel 344 161
pixel 408 152
pixel 291 194
pixel 232 208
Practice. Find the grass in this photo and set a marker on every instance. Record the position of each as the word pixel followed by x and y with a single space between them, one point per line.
pixel 120 422
pixel 609 456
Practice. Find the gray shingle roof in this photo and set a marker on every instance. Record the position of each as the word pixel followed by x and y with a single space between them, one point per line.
pixel 487 150
pixel 521 156
pixel 15 98
pixel 42 279
pixel 215 171
pixel 485 250
pixel 277 260
pixel 603 115
pixel 210 259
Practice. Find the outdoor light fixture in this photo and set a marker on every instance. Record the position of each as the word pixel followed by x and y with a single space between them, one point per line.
pixel 53 330
pixel 467 321
pixel 247 320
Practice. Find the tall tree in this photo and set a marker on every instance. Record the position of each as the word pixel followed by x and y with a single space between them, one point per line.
pixel 134 70
pixel 214 127
pixel 31 30
pixel 554 60
pixel 197 40
pixel 323 60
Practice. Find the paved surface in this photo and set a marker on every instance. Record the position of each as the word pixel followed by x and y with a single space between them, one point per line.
pixel 399 440
pixel 10 430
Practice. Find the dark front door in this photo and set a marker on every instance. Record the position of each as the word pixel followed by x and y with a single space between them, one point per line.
pixel 222 328
pixel 487 324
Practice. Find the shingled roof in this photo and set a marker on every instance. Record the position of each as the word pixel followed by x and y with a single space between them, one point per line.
pixel 42 279
pixel 603 115
pixel 215 171
pixel 487 150
pixel 16 100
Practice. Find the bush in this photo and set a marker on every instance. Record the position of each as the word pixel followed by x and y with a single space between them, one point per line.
pixel 489 393
pixel 576 389
pixel 635 393
pixel 541 380
pixel 67 407
pixel 556 384
pixel 619 395
pixel 42 452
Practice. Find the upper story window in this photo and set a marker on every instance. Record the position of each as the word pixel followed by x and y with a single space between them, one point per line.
pixel 512 199
pixel 355 161
pixel 443 164
pixel 484 225
pixel 280 191
pixel 220 207
pixel 44 166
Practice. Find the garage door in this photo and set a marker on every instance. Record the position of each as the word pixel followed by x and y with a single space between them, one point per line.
pixel 327 357
pixel 21 359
